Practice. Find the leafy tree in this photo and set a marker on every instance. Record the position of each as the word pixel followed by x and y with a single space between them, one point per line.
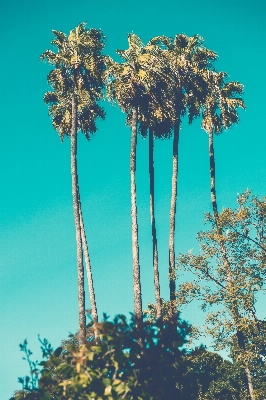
pixel 77 84
pixel 117 366
pixel 210 377
pixel 220 112
pixel 233 324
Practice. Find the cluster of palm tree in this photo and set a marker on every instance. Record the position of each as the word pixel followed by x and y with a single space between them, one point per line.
pixel 156 85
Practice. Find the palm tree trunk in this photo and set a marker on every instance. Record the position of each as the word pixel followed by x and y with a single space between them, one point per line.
pixel 89 273
pixel 153 227
pixel 235 313
pixel 135 245
pixel 81 293
pixel 212 176
pixel 172 221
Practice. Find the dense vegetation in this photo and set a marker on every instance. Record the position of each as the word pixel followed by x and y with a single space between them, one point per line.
pixel 156 85
pixel 128 363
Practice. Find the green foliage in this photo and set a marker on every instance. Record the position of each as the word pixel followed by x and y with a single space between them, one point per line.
pixel 232 294
pixel 189 62
pixel 210 377
pixel 151 312
pixel 126 362
pixel 221 102
pixel 162 81
pixel 139 81
pixel 29 382
pixel 79 65
pixel 132 362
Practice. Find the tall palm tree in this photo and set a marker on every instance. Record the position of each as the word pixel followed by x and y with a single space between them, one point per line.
pixel 77 83
pixel 157 121
pixel 187 59
pixel 220 113
pixel 130 83
pixel 154 120
pixel 153 227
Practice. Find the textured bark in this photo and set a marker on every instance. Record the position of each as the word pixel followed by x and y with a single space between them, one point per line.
pixel 249 383
pixel 242 346
pixel 81 293
pixel 234 307
pixel 172 220
pixel 153 227
pixel 135 245
pixel 212 176
pixel 89 272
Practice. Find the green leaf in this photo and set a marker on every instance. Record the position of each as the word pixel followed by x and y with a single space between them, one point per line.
pixel 108 390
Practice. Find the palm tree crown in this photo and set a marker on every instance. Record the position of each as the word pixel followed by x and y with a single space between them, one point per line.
pixel 79 66
pixel 221 103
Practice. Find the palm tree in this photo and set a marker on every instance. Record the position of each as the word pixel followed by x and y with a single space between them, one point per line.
pixel 130 83
pixel 187 59
pixel 153 227
pixel 158 122
pixel 77 84
pixel 154 120
pixel 220 113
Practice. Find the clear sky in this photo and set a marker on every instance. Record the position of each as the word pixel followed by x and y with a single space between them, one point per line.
pixel 38 277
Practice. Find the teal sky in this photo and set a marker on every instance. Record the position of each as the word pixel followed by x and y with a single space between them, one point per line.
pixel 38 277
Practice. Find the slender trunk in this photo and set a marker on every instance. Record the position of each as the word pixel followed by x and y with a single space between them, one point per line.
pixel 249 383
pixel 172 221
pixel 89 273
pixel 153 227
pixel 81 293
pixel 212 176
pixel 242 346
pixel 234 310
pixel 135 245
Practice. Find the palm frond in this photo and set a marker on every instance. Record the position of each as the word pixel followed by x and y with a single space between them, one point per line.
pixel 79 67
pixel 50 97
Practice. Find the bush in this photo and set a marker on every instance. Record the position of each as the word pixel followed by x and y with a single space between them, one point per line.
pixel 142 361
